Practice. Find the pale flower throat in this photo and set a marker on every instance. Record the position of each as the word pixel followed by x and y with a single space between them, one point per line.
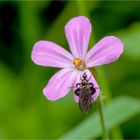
pixel 79 64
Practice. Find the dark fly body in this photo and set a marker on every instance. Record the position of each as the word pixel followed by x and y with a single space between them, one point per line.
pixel 84 91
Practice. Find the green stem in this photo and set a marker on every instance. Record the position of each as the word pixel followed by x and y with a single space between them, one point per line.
pixel 102 118
pixel 115 132
pixel 101 113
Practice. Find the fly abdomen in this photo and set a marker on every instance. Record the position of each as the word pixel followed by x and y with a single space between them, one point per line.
pixel 85 101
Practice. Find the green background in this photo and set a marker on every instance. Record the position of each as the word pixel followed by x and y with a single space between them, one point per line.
pixel 25 112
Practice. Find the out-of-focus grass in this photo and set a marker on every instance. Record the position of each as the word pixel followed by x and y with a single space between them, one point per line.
pixel 118 111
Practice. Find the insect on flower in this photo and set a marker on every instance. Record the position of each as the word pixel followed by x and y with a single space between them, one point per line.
pixel 74 64
pixel 84 91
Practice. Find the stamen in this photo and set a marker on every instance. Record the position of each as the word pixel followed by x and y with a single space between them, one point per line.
pixel 79 64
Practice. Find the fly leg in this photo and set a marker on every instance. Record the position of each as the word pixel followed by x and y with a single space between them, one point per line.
pixel 89 78
pixel 77 92
pixel 93 90
pixel 78 85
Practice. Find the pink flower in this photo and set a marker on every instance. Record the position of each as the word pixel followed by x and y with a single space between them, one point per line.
pixel 74 64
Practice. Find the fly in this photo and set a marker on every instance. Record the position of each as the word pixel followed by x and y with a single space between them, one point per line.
pixel 84 91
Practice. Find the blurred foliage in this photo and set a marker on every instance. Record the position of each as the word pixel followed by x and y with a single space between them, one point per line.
pixel 24 111
pixel 118 111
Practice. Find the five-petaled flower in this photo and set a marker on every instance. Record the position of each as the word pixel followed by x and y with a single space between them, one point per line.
pixel 74 64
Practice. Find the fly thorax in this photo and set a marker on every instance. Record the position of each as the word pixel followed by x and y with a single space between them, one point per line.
pixel 84 84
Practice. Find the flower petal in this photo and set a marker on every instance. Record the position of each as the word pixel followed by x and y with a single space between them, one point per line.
pixel 92 80
pixel 77 80
pixel 105 51
pixel 78 32
pixel 60 84
pixel 47 53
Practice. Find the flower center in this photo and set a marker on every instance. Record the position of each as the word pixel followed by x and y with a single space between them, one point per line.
pixel 79 64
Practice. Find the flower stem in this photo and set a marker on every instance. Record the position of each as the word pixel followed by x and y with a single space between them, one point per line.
pixel 115 132
pixel 102 118
pixel 101 112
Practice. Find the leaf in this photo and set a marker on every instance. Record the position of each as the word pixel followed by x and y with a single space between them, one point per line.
pixel 131 39
pixel 8 87
pixel 117 112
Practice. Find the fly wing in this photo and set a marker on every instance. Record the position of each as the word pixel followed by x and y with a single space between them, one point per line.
pixel 85 100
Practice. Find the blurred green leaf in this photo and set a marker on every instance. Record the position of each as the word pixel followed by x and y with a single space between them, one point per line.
pixel 8 87
pixel 131 39
pixel 9 97
pixel 117 112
